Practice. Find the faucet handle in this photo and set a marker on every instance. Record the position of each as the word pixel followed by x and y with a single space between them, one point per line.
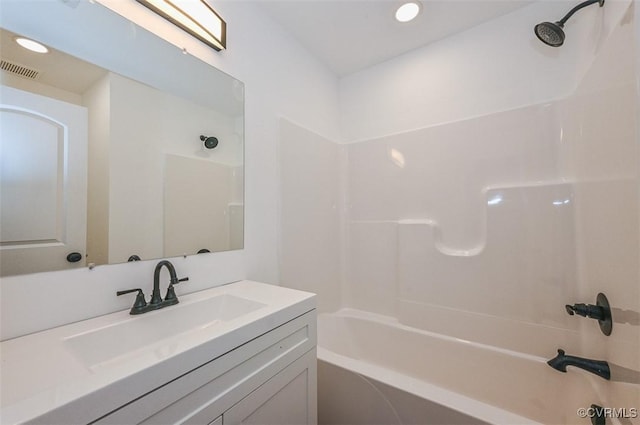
pixel 585 310
pixel 139 304
pixel 600 312
pixel 171 297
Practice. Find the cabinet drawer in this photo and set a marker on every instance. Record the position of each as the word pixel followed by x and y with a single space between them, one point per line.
pixel 222 382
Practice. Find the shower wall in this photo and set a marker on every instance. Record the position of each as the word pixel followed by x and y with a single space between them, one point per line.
pixel 311 175
pixel 485 227
pixel 482 190
pixel 460 212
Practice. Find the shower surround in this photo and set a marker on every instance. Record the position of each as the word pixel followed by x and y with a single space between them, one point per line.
pixel 482 228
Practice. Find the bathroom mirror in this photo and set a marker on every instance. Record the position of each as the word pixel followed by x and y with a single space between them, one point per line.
pixel 128 149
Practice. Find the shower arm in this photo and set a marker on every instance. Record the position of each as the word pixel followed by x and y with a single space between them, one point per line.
pixel 578 7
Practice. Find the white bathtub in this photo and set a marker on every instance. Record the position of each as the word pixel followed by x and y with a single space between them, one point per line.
pixel 374 370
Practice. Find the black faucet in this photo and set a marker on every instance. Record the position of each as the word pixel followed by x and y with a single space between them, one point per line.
pixel 598 367
pixel 170 298
pixel 140 305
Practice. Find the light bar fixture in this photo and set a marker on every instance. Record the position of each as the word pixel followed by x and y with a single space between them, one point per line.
pixel 193 16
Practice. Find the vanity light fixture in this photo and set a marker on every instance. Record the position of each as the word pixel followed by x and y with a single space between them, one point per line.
pixel 32 45
pixel 193 16
pixel 408 11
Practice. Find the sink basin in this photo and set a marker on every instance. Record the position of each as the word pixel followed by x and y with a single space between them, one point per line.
pixel 130 337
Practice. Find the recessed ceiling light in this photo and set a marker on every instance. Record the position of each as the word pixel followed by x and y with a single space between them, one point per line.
pixel 407 11
pixel 34 46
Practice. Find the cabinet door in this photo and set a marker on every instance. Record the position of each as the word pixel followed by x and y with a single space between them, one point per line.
pixel 288 398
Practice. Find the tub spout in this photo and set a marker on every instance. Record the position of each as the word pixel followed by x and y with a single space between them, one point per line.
pixel 598 367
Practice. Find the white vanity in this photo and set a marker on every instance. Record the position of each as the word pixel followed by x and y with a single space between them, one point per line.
pixel 239 353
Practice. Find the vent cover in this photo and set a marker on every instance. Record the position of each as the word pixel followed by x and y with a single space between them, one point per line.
pixel 21 70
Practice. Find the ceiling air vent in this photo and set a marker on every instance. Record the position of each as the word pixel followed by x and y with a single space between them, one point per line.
pixel 17 69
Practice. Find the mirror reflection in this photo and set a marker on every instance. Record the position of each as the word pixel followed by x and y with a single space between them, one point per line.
pixel 101 168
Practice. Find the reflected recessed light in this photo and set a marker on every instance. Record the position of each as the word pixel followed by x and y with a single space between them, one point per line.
pixel 34 46
pixel 407 11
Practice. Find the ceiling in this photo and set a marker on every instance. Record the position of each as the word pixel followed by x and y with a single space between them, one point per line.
pixel 350 35
pixel 54 68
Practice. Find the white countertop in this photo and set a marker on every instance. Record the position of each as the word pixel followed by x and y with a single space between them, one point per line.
pixel 40 374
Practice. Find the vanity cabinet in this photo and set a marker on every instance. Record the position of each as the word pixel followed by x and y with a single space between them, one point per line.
pixel 270 379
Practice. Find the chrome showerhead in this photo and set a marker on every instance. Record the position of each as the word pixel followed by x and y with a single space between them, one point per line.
pixel 550 33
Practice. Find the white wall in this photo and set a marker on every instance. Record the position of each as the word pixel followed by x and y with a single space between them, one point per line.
pixel 496 66
pixel 281 79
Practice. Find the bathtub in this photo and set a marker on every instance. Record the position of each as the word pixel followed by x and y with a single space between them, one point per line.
pixel 374 370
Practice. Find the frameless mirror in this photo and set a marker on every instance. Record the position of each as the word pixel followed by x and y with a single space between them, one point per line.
pixel 135 152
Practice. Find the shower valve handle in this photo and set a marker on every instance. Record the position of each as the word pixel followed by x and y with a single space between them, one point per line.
pixel 586 310
pixel 600 311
